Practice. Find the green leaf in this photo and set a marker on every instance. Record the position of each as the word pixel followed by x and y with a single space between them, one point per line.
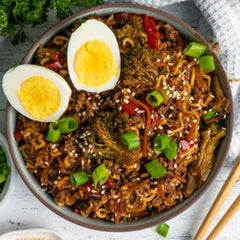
pixel 62 8
pixel 20 36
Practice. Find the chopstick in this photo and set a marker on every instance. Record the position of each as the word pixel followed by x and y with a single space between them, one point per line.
pixel 225 219
pixel 228 185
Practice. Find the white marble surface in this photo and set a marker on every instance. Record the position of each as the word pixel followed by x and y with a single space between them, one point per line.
pixel 24 211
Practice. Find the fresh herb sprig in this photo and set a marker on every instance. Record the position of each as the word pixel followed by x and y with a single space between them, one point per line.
pixel 15 14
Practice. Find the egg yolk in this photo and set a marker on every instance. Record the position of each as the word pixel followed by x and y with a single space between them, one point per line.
pixel 39 97
pixel 94 64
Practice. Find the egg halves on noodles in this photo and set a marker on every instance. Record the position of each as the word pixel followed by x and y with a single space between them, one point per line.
pixel 93 57
pixel 36 92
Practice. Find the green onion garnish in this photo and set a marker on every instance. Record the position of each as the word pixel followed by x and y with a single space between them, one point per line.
pixel 100 174
pixel 78 178
pixel 53 133
pixel 154 98
pixel 67 125
pixel 163 229
pixel 2 178
pixel 206 63
pixel 171 150
pixel 4 169
pixel 130 139
pixel 194 49
pixel 166 145
pixel 160 142
pixel 155 168
pixel 209 114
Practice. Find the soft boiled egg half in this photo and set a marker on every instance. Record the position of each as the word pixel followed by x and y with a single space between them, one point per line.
pixel 93 57
pixel 36 92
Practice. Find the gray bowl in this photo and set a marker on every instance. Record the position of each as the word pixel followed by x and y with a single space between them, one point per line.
pixel 144 222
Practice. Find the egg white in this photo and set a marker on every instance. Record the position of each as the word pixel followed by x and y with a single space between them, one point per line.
pixel 89 31
pixel 14 77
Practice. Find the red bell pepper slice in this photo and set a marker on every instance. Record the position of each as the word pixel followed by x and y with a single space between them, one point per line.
pixel 57 63
pixel 18 136
pixel 131 107
pixel 184 145
pixel 152 31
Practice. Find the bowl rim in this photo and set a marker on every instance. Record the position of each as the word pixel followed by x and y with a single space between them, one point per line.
pixel 26 233
pixel 198 193
pixel 10 181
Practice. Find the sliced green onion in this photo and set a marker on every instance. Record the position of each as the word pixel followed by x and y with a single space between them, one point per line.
pixel 100 175
pixel 163 229
pixel 67 125
pixel 209 114
pixel 166 145
pixel 194 49
pixel 171 150
pixel 155 168
pixel 154 98
pixel 206 63
pixel 130 139
pixel 2 178
pixel 78 178
pixel 53 133
pixel 160 142
pixel 4 169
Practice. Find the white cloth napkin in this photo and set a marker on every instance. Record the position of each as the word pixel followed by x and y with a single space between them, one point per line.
pixel 224 18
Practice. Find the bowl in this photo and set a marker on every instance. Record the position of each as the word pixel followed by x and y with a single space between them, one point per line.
pixel 144 222
pixel 35 233
pixel 9 183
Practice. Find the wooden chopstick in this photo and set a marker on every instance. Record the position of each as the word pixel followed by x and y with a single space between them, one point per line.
pixel 229 183
pixel 224 220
